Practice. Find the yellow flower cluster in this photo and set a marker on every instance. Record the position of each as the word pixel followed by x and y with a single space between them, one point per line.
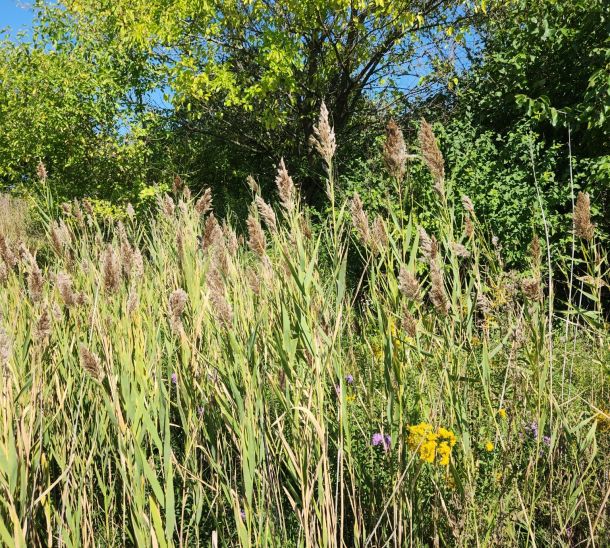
pixel 430 445
pixel 603 420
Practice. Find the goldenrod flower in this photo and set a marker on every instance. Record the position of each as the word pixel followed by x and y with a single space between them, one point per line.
pixel 489 447
pixel 502 413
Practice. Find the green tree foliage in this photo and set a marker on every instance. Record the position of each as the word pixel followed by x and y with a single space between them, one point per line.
pixel 76 107
pixel 544 65
pixel 248 76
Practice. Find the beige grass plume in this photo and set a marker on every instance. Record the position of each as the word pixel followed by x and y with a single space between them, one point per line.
pixel 256 237
pixel 360 219
pixel 177 304
pixel 90 362
pixel 531 288
pixel 111 270
pixel 433 157
pixel 204 203
pixel 379 236
pixel 212 233
pixel 583 228
pixel 65 289
pixel 408 284
pixel 285 187
pixel 41 172
pixel 266 213
pixel 43 325
pixel 437 290
pixel 395 150
pixel 216 292
pixel 323 138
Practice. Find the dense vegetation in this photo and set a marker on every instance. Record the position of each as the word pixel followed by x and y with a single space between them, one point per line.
pixel 395 335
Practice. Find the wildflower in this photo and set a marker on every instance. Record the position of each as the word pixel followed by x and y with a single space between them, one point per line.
pixel 532 429
pixel 381 439
pixel 200 411
pixel 427 451
pixel 431 445
pixel 443 452
pixel 349 379
pixel 502 413
pixel 546 440
pixel 175 378
pixel 489 446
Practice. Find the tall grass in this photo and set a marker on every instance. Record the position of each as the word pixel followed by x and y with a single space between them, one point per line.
pixel 169 382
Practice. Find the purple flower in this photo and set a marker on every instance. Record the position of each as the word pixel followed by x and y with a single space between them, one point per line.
pixel 174 378
pixel 338 390
pixel 349 379
pixel 381 439
pixel 200 411
pixel 242 514
pixel 533 429
pixel 547 441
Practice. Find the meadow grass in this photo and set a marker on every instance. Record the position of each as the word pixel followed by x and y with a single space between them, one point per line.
pixel 168 382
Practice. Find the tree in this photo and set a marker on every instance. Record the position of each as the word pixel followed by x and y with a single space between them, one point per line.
pixel 252 73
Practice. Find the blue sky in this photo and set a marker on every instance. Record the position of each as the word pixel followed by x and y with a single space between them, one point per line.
pixel 16 14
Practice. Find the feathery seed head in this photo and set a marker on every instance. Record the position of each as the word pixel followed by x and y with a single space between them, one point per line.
pixel 433 157
pixel 204 204
pixel 256 237
pixel 408 284
pixel 323 138
pixel 266 213
pixel 285 187
pixel 583 228
pixel 395 150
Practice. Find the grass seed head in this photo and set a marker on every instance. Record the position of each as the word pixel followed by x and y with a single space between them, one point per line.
pixel 583 228
pixel 395 150
pixel 433 157
pixel 323 138
pixel 285 187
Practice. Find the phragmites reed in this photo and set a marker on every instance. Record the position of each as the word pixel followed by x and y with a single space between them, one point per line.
pixel 125 249
pixel 3 271
pixel 468 227
pixel 460 250
pixel 43 326
pixel 60 236
pixel 6 253
pixel 253 184
pixel 133 300
pixel 177 185
pixel 266 213
pixel 111 269
pixel 78 213
pixel 467 204
pixel 35 280
pixel 5 347
pixel 433 157
pixel 230 238
pixel 131 212
pixel 256 237
pixel 88 206
pixel 437 290
pixel 427 245
pixel 204 203
pixel 212 233
pixel 583 228
pixel 394 150
pixel 535 252
pixel 483 304
pixel 41 172
pixel 285 187
pixel 531 288
pixel 137 267
pixel 167 206
pixel 253 280
pixel 409 323
pixel 360 219
pixel 177 304
pixel 379 236
pixel 90 362
pixel 216 292
pixel 66 291
pixel 323 138
pixel 408 284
